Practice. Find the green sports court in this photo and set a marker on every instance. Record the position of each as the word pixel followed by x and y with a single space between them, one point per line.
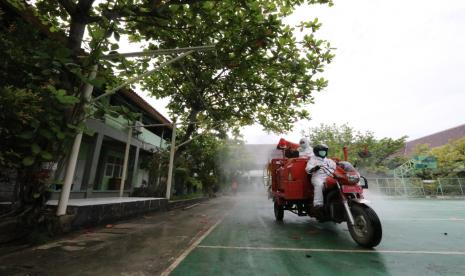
pixel 420 237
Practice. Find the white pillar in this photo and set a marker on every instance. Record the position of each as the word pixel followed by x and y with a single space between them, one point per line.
pixel 160 158
pixel 71 166
pixel 170 168
pixel 125 162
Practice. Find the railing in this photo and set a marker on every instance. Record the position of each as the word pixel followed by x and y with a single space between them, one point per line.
pixel 415 187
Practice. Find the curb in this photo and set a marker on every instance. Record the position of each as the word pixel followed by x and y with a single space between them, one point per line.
pixel 183 203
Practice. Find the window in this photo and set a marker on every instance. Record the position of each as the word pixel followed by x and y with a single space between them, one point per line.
pixel 114 166
pixel 109 170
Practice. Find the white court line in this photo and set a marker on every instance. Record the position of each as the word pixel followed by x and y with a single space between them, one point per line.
pixel 190 248
pixel 331 250
pixel 425 219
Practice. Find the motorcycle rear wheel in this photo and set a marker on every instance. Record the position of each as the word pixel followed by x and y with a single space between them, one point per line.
pixel 367 230
pixel 278 211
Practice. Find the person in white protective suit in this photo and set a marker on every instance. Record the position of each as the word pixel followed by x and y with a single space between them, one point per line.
pixel 320 167
pixel 305 150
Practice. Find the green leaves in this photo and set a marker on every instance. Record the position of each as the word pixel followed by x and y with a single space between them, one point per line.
pixel 35 149
pixel 66 99
pixel 62 97
pixel 28 161
pixel 60 135
pixel 62 53
pixel 259 73
pixel 97 82
pixel 46 133
pixel 46 155
pixel 26 135
pixel 208 5
pixel 451 159
pixel 339 136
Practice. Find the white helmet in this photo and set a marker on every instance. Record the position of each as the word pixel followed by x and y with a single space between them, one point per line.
pixel 304 144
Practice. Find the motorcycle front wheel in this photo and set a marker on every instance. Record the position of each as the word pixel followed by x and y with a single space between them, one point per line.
pixel 366 231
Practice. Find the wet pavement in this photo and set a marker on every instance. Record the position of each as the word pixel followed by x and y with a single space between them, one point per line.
pixel 142 246
pixel 239 236
pixel 420 237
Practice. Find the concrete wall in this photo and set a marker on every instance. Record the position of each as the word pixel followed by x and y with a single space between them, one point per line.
pixel 94 194
pixel 92 215
pixel 146 136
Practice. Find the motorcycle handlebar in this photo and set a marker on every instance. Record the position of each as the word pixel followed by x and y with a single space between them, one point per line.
pixel 326 170
pixel 329 172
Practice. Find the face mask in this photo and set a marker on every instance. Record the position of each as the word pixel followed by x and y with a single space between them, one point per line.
pixel 322 153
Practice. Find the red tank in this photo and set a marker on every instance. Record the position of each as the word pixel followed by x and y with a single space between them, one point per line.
pixel 289 179
pixel 294 180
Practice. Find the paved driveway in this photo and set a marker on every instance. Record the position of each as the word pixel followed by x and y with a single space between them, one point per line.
pixel 145 245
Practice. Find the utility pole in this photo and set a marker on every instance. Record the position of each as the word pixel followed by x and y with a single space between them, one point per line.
pixel 159 159
pixel 72 160
pixel 125 162
pixel 170 168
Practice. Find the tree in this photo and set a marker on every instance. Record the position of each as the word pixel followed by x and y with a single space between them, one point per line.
pixel 422 149
pixel 207 164
pixel 233 160
pixel 259 73
pixel 202 152
pixel 32 128
pixel 211 162
pixel 369 154
pixel 451 159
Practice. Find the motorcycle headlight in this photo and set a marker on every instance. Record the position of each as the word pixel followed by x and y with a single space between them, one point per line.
pixel 353 178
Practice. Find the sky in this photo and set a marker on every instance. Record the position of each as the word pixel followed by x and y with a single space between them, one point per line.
pixel 399 68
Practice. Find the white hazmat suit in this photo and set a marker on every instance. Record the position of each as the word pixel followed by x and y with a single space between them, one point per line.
pixel 318 177
pixel 305 150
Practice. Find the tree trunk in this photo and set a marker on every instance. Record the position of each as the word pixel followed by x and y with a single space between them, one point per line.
pixel 76 35
pixel 79 19
pixel 191 128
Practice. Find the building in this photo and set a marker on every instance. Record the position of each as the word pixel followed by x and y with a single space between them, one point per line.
pixel 435 140
pixel 100 162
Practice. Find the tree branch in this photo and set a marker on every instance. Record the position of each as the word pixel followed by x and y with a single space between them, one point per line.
pixel 69 6
pixel 83 7
pixel 79 15
pixel 175 84
pixel 190 129
pixel 152 23
pixel 182 2
pixel 218 76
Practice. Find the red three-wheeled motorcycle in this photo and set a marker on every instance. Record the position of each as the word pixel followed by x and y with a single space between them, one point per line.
pixel 291 190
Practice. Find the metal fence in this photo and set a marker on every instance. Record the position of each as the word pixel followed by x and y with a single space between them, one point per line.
pixel 415 187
